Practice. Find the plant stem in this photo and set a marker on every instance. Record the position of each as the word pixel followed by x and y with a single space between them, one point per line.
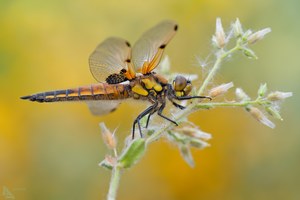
pixel 114 183
pixel 221 55
pixel 227 104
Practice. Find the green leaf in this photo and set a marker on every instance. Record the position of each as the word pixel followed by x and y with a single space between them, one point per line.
pixel 132 153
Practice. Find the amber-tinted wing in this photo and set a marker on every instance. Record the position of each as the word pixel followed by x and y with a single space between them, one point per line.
pixel 109 57
pixel 148 50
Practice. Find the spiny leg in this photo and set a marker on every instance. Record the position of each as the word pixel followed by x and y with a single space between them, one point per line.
pixel 149 116
pixel 193 97
pixel 140 116
pixel 178 105
pixel 187 98
pixel 159 112
pixel 148 119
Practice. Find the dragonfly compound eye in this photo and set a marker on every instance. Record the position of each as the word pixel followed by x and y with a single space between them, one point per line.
pixel 179 83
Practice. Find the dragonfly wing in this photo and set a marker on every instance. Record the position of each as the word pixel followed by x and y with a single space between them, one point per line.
pixel 149 48
pixel 109 57
pixel 103 107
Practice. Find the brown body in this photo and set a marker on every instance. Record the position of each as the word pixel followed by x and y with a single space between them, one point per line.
pixel 137 89
pixel 100 91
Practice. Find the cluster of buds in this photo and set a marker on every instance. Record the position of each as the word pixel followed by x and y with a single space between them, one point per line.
pixel 243 38
pixel 188 135
pixel 270 104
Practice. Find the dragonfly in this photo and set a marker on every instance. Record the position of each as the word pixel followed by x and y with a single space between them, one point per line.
pixel 123 73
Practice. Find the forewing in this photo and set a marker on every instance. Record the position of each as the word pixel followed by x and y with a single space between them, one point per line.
pixel 102 107
pixel 149 48
pixel 109 57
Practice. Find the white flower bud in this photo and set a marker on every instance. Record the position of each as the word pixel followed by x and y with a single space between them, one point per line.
pixel 259 35
pixel 220 90
pixel 108 137
pixel 219 39
pixel 237 28
pixel 277 96
pixel 241 95
pixel 259 116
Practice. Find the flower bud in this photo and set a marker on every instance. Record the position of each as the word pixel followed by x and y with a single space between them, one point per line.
pixel 259 116
pixel 220 90
pixel 278 96
pixel 249 53
pixel 187 155
pixel 237 28
pixel 241 95
pixel 108 137
pixel 259 35
pixel 273 112
pixel 262 90
pixel 219 39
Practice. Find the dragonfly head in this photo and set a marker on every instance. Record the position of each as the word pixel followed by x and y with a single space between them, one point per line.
pixel 182 86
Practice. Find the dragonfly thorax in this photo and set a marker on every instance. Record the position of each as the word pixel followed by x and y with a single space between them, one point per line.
pixel 146 85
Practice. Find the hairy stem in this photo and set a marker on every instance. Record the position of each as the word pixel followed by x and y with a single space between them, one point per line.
pixel 227 104
pixel 114 183
pixel 221 55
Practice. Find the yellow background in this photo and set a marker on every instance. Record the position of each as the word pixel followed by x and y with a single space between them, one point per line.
pixel 51 151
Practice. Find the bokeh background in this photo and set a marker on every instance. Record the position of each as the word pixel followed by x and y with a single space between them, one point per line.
pixel 52 151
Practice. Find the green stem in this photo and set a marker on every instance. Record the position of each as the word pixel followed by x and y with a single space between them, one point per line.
pixel 114 183
pixel 227 104
pixel 221 55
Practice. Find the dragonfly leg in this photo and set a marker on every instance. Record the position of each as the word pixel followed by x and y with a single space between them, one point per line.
pixel 148 119
pixel 193 97
pixel 159 112
pixel 140 116
pixel 178 105
pixel 149 116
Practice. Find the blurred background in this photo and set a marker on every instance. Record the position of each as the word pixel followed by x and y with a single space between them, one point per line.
pixel 52 151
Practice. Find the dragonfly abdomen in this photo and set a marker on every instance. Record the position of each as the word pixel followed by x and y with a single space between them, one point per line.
pixel 101 91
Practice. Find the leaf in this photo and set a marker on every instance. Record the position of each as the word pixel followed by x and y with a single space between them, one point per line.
pixel 132 153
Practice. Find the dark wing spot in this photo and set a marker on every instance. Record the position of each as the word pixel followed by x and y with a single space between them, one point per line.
pixel 127 43
pixel 176 27
pixel 162 46
pixel 128 60
pixel 123 71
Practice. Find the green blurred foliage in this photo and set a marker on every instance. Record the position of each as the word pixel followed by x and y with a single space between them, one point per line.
pixel 52 150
